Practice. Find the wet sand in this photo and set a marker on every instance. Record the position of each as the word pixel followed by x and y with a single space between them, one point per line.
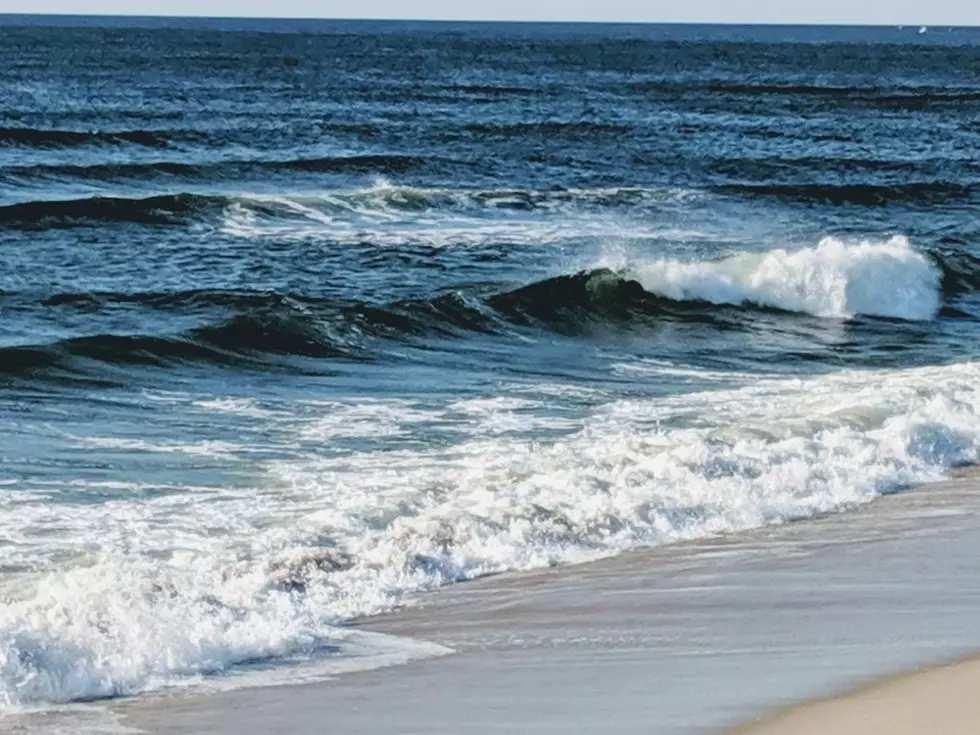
pixel 937 700
pixel 691 638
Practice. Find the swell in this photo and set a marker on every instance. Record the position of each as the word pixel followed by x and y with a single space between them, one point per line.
pixel 377 164
pixel 865 195
pixel 258 327
pixel 881 95
pixel 248 339
pixel 246 329
pixel 576 129
pixel 55 138
pixel 255 328
pixel 166 209
pixel 395 164
pixel 894 97
pixel 773 168
pixel 179 208
pixel 960 273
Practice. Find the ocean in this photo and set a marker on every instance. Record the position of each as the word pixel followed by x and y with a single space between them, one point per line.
pixel 302 319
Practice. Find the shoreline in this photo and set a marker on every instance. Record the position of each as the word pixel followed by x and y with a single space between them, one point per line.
pixel 769 622
pixel 934 699
pixel 761 621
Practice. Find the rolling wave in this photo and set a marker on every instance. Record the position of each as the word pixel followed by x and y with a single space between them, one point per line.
pixel 261 327
pixel 243 339
pixel 165 209
pixel 54 138
pixel 833 279
pixel 384 199
pixel 960 273
pixel 561 128
pixel 381 200
pixel 865 195
pixel 374 164
pixel 251 328
pixel 905 97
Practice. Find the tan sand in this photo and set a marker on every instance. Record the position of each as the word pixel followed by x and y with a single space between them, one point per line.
pixel 937 701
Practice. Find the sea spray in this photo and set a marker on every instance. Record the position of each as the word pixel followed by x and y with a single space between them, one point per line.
pixel 832 279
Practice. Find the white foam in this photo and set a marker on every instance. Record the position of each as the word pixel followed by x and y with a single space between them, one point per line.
pixel 833 279
pixel 166 588
pixel 388 215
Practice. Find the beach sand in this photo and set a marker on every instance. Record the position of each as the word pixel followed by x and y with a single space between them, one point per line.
pixel 938 701
pixel 692 638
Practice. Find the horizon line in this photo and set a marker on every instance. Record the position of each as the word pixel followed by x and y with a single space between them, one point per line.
pixel 516 21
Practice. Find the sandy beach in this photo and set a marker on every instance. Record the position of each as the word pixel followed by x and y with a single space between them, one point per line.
pixel 939 700
pixel 694 638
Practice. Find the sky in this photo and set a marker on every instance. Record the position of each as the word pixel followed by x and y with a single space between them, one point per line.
pixel 883 12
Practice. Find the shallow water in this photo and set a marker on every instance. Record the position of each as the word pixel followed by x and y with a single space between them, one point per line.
pixel 295 324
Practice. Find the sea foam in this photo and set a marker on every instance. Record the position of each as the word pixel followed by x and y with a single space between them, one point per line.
pixel 832 279
pixel 165 588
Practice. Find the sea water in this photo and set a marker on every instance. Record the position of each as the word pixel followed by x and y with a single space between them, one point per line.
pixel 299 319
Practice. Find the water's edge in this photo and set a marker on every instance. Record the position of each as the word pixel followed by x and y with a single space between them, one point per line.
pixel 636 625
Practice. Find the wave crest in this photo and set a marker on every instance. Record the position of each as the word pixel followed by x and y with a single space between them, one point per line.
pixel 834 279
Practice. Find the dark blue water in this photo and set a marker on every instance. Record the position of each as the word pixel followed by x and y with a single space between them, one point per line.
pixel 297 318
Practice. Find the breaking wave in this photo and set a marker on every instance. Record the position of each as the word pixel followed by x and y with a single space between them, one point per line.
pixel 834 279
pixel 323 539
pixel 377 201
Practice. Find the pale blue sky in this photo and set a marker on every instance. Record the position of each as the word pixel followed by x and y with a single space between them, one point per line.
pixel 908 12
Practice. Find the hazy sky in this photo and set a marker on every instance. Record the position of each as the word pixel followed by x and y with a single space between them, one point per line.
pixel 908 12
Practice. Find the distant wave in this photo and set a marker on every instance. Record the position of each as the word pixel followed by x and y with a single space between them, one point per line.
pixel 384 199
pixel 769 169
pixel 494 90
pixel 576 128
pixel 178 208
pixel 380 164
pixel 909 97
pixel 157 210
pixel 374 164
pixel 866 195
pixel 881 95
pixel 54 138
pixel 102 171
